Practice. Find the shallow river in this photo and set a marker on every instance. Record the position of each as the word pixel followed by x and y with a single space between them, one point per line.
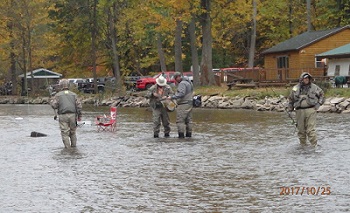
pixel 237 161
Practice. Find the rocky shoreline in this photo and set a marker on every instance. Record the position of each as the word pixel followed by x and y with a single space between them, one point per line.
pixel 332 104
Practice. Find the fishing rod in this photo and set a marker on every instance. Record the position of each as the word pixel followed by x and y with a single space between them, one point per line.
pixel 288 112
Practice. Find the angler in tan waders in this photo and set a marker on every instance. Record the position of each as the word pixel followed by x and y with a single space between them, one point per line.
pixel 305 98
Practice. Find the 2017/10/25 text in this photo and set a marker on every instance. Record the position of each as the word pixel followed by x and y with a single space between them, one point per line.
pixel 302 190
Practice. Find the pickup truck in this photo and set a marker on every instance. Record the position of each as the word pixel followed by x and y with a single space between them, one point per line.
pixel 87 86
pixel 147 82
pixel 130 82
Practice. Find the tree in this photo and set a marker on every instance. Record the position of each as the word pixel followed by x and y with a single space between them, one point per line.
pixel 27 31
pixel 207 76
pixel 194 52
pixel 178 46
pixel 253 36
pixel 112 13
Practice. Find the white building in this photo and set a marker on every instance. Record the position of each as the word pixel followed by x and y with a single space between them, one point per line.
pixel 338 61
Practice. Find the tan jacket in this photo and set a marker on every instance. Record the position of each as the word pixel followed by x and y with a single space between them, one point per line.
pixel 155 101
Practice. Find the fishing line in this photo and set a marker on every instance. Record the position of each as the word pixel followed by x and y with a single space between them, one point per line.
pixel 294 123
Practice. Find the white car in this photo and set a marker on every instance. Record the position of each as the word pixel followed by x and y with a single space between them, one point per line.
pixel 189 75
pixel 75 81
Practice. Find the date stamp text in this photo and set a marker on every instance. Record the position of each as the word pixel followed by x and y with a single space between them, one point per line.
pixel 303 190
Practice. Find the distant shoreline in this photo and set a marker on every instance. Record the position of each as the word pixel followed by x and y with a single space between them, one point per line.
pixel 278 104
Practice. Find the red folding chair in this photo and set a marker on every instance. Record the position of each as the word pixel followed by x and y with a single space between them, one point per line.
pixel 107 123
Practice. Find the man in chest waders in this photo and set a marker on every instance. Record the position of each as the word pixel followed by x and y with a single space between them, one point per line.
pixel 69 111
pixel 184 98
pixel 156 94
pixel 305 98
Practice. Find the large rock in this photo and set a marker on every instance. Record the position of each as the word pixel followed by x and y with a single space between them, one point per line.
pixel 336 100
pixel 237 104
pixel 325 108
pixel 37 134
pixel 248 104
pixel 343 105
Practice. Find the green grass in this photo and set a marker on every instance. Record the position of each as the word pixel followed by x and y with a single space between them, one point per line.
pixel 257 93
pixel 260 93
pixel 338 92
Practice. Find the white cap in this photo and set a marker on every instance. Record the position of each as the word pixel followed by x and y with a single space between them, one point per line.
pixel 161 81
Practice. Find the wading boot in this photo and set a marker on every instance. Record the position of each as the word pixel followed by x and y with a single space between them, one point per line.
pixel 181 135
pixel 166 135
pixel 188 134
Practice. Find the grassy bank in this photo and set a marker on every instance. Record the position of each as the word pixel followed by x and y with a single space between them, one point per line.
pixel 260 93
pixel 257 93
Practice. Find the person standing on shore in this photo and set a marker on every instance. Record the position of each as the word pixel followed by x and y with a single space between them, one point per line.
pixel 69 110
pixel 184 98
pixel 156 94
pixel 305 98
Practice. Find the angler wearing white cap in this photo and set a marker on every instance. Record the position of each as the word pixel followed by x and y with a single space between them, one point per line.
pixel 157 93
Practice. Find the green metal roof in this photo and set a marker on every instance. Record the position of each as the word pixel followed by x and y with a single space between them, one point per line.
pixel 337 52
pixel 305 39
pixel 42 73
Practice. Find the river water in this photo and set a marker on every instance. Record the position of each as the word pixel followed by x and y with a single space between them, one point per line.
pixel 237 161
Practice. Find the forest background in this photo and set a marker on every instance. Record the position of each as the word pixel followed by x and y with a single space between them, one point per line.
pixel 92 38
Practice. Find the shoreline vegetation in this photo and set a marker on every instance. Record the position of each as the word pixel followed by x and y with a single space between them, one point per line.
pixel 260 99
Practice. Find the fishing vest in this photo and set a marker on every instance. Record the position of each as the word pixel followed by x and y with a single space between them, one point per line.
pixel 155 102
pixel 66 102
pixel 305 96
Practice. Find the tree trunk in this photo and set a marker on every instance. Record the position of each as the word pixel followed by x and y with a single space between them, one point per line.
pixel 25 83
pixel 253 37
pixel 308 11
pixel 290 16
pixel 161 54
pixel 113 36
pixel 12 71
pixel 30 65
pixel 207 75
pixel 178 46
pixel 93 42
pixel 194 52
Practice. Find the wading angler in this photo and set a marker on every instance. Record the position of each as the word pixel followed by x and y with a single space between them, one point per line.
pixel 69 112
pixel 305 98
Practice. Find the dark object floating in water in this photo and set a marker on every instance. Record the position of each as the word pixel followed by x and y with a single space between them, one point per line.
pixel 37 134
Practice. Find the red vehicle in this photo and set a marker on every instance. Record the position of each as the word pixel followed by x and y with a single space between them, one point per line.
pixel 146 83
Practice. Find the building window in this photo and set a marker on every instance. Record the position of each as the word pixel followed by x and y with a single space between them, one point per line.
pixel 337 70
pixel 282 62
pixel 320 63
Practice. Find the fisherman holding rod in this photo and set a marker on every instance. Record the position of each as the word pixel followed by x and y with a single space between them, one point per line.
pixel 305 98
pixel 69 109
pixel 158 93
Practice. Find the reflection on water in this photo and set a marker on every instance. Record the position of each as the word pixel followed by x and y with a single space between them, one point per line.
pixel 237 161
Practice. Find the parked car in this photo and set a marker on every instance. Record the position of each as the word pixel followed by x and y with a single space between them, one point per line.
pixel 130 81
pixel 189 75
pixel 146 83
pixel 87 86
pixel 75 81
